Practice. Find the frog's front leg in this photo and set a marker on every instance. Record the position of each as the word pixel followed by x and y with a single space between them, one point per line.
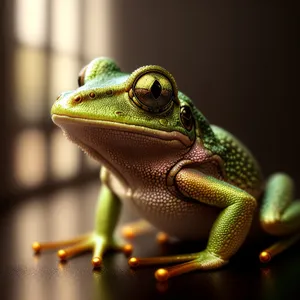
pixel 228 232
pixel 99 241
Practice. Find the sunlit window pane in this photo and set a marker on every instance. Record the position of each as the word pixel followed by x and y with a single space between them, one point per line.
pixel 66 24
pixel 30 157
pixel 53 37
pixel 29 67
pixel 64 156
pixel 30 21
pixel 29 224
pixel 63 75
pixel 65 209
pixel 97 29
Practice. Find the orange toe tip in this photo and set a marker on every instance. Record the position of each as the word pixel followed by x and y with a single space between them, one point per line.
pixel 96 262
pixel 128 233
pixel 62 254
pixel 36 247
pixel 133 262
pixel 127 249
pixel 265 257
pixel 162 238
pixel 162 275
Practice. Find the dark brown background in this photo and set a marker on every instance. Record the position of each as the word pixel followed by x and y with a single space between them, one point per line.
pixel 239 61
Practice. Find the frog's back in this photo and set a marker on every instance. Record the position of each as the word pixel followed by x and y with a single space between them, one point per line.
pixel 240 166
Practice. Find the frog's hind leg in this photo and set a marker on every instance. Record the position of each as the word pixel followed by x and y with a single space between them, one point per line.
pixel 280 215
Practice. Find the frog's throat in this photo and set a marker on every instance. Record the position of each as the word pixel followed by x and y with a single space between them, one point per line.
pixel 60 120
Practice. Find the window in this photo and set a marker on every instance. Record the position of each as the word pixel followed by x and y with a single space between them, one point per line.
pixel 52 41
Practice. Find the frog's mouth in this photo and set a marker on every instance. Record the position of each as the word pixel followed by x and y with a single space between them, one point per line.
pixel 63 120
pixel 124 148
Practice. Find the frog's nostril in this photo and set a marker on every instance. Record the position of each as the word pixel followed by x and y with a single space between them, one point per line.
pixel 77 99
pixel 92 95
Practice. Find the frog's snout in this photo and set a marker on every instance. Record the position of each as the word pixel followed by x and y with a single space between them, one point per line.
pixel 61 101
pixel 63 95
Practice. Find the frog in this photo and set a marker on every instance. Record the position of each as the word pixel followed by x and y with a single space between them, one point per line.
pixel 160 155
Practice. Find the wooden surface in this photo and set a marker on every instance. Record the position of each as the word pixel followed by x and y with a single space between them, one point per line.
pixel 69 212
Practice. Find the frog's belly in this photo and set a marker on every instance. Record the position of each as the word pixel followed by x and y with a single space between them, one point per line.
pixel 186 220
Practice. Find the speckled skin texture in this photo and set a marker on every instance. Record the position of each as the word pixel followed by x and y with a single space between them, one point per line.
pixel 144 185
pixel 240 166
pixel 225 236
pixel 185 176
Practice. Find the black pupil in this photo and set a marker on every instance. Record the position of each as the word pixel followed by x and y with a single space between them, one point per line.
pixel 156 89
pixel 186 113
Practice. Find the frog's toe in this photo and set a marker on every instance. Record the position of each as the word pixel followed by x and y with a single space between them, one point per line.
pixel 162 238
pixel 131 230
pixel 266 255
pixel 96 262
pixel 205 261
pixel 36 247
pixel 127 249
pixel 161 274
pixel 136 228
pixel 101 245
pixel 128 232
pixel 39 247
pixel 150 261
pixel 185 263
pixel 77 248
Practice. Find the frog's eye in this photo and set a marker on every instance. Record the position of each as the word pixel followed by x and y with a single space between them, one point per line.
pixel 81 76
pixel 186 117
pixel 153 92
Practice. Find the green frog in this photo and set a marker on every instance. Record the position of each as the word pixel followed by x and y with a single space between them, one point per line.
pixel 159 154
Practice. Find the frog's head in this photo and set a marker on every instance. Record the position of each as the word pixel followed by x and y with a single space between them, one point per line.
pixel 139 115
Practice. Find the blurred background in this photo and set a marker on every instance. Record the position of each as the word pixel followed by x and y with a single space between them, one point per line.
pixel 238 61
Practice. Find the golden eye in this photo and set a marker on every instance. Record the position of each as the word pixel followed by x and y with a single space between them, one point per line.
pixel 81 76
pixel 153 92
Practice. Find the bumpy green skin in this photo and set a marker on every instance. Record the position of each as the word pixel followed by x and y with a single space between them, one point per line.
pixel 203 168
pixel 240 166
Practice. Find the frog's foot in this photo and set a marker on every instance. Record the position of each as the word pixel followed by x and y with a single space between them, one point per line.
pixel 266 255
pixel 92 242
pixel 136 228
pixel 204 260
pixel 38 247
